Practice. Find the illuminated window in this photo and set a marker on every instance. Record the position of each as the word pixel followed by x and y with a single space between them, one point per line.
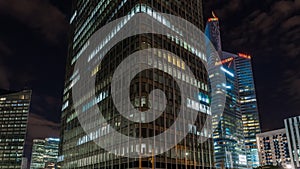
pixel 169 58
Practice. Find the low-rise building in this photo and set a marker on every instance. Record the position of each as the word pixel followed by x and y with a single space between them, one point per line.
pixel 273 148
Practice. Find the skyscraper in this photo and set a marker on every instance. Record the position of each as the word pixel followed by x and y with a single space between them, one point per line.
pixel 212 31
pixel 44 152
pixel 77 149
pixel 235 135
pixel 273 148
pixel 292 127
pixel 14 109
pixel 228 137
pixel 248 106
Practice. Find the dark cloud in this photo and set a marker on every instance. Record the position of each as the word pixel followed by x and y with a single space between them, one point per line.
pixel 4 77
pixel 4 50
pixel 7 73
pixel 4 73
pixel 39 15
pixel 39 127
pixel 47 106
pixel 286 7
pixel 291 22
pixel 291 85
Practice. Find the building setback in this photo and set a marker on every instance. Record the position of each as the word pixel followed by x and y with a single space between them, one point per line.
pixel 292 126
pixel 273 148
pixel 76 150
pixel 14 110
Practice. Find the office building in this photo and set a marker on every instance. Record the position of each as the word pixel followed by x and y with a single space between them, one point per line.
pixel 77 149
pixel 44 153
pixel 273 148
pixel 229 142
pixel 14 109
pixel 37 154
pixel 51 150
pixel 212 31
pixel 235 134
pixel 248 106
pixel 292 126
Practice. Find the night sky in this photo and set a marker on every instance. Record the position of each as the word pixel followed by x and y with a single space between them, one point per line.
pixel 33 51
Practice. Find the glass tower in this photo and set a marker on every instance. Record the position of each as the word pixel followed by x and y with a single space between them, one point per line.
pixel 248 106
pixel 235 136
pixel 51 150
pixel 44 152
pixel 14 109
pixel 37 156
pixel 76 149
pixel 229 139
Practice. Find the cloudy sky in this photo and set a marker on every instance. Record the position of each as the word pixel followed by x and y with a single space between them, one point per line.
pixel 33 50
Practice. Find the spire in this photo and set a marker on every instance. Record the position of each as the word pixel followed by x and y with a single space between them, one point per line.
pixel 213 14
pixel 214 18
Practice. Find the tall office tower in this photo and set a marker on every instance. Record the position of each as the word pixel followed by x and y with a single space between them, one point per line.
pixel 248 106
pixel 212 31
pixel 44 153
pixel 14 109
pixel 77 150
pixel 228 136
pixel 292 126
pixel 273 148
pixel 37 154
pixel 241 114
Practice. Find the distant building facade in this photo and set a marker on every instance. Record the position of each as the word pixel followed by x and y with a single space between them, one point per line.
pixel 14 110
pixel 273 148
pixel 37 156
pixel 292 126
pixel 51 150
pixel 44 153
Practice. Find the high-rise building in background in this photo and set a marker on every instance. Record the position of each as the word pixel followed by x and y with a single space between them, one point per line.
pixel 292 126
pixel 228 136
pixel 76 151
pixel 212 31
pixel 14 110
pixel 44 153
pixel 248 106
pixel 234 136
pixel 273 148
